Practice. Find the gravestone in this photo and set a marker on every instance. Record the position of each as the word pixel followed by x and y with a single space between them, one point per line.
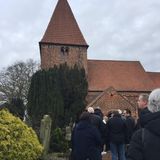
pixel 68 133
pixel 45 130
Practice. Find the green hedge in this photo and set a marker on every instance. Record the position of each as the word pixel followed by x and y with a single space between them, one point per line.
pixel 17 140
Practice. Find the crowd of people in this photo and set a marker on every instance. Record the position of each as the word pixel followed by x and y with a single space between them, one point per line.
pixel 95 134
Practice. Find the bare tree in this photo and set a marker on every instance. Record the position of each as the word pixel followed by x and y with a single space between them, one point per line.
pixel 15 79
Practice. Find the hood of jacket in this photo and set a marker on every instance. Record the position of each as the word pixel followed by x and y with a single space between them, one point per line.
pixel 151 121
pixel 82 125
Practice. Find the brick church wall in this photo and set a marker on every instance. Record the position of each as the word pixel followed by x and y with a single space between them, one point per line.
pixel 58 54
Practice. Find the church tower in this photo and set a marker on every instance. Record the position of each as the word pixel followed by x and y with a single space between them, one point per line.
pixel 63 41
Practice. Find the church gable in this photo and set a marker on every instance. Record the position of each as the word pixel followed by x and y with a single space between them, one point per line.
pixel 110 100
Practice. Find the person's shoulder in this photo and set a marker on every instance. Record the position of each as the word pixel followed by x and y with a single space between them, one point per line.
pixel 137 135
pixel 96 117
pixel 130 118
pixel 137 132
pixel 145 111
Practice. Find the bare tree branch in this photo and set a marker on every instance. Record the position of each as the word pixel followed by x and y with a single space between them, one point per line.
pixel 15 79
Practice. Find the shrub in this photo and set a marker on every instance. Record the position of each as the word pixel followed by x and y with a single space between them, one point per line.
pixel 17 140
pixel 59 143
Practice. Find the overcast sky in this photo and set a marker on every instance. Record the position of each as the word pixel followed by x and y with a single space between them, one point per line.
pixel 114 29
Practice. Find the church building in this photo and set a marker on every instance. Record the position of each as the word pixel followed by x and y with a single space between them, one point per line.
pixel 112 84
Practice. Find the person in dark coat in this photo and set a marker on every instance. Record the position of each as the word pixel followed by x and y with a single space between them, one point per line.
pixel 86 140
pixel 145 143
pixel 142 107
pixel 130 123
pixel 97 121
pixel 116 133
pixel 97 111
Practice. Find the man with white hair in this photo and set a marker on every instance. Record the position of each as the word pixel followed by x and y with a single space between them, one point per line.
pixel 90 110
pixel 145 143
pixel 97 121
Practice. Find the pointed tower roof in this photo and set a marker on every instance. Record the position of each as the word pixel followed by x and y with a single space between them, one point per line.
pixel 63 28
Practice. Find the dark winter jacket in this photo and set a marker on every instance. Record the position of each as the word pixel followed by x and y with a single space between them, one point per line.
pixel 98 123
pixel 140 119
pixel 86 142
pixel 98 112
pixel 116 130
pixel 145 143
pixel 130 123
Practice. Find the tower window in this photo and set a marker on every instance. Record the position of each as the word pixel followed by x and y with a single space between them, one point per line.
pixel 65 50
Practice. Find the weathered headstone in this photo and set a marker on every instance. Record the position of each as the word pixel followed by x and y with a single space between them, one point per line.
pixel 45 130
pixel 68 133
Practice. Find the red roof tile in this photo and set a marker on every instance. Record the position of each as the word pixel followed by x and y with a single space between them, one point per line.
pixel 63 28
pixel 155 76
pixel 122 75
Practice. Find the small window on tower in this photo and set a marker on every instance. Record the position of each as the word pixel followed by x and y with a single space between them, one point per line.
pixel 65 50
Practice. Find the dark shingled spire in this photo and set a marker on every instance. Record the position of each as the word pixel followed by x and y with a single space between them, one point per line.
pixel 63 28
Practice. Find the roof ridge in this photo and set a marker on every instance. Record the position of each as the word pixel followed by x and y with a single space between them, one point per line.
pixel 152 72
pixel 113 60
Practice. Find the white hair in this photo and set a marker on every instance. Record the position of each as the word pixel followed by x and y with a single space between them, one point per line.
pixel 90 110
pixel 154 100
pixel 119 111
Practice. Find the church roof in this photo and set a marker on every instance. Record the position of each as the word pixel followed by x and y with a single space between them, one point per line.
pixel 122 75
pixel 155 76
pixel 63 28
